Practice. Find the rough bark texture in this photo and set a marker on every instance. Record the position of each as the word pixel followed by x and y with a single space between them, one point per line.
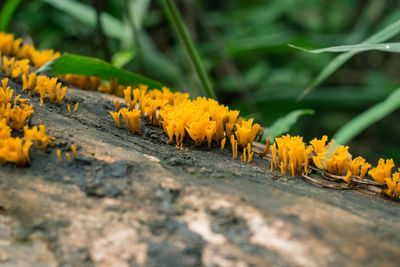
pixel 136 200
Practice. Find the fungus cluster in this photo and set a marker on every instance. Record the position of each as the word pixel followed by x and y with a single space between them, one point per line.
pixel 13 116
pixel 202 120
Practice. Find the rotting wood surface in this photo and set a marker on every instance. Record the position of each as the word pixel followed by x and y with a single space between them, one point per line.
pixel 136 200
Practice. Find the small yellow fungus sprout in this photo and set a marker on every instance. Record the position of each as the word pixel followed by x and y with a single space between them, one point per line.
pixel 38 135
pixel 266 150
pixel 5 92
pixel 234 146
pixel 132 119
pixel 116 104
pixel 76 106
pixel 273 152
pixel 347 178
pixel 116 116
pixel 59 156
pixel 250 153
pixel 128 94
pixel 223 144
pixel 243 157
pixel 28 81
pixel 232 117
pixel 382 171
pixel 73 149
pixel 69 109
pixel 68 157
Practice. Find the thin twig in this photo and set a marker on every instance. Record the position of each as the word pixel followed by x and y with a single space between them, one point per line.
pixel 331 186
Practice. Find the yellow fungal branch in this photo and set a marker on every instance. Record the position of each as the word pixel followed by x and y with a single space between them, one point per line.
pixel 73 149
pixel 38 136
pixel 266 150
pixel 76 106
pixel 292 154
pixel 69 109
pixel 68 157
pixel 223 144
pixel 234 147
pixel 116 116
pixel 132 119
pixel 59 155
pixel 382 171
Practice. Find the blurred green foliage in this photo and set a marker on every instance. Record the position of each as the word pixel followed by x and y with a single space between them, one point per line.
pixel 244 47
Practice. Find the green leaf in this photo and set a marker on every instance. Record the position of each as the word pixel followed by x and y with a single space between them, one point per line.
pixel 381 36
pixel 113 27
pixel 365 119
pixel 387 47
pixel 122 57
pixel 138 10
pixel 75 64
pixel 282 125
pixel 7 11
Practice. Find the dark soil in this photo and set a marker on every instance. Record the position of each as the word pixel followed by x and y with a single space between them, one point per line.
pixel 136 200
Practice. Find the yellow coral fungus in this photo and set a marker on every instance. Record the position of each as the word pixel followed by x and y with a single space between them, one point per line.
pixel 76 106
pixel 250 153
pixel 69 109
pixel 39 58
pixel 246 132
pixel 131 118
pixel 39 136
pixel 347 178
pixel 266 150
pixel 223 144
pixel 234 146
pixel 73 149
pixel 68 157
pixel 116 116
pixel 382 171
pixel 59 155
pixel 359 167
pixel 292 154
pixel 15 150
pixel 243 157
pixel 393 184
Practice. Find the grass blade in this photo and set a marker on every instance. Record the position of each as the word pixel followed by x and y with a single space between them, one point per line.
pixel 176 20
pixel 381 36
pixel 75 64
pixel 113 27
pixel 282 125
pixel 365 119
pixel 387 47
pixel 7 11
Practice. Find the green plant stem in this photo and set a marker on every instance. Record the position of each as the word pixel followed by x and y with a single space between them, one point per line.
pixel 177 22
